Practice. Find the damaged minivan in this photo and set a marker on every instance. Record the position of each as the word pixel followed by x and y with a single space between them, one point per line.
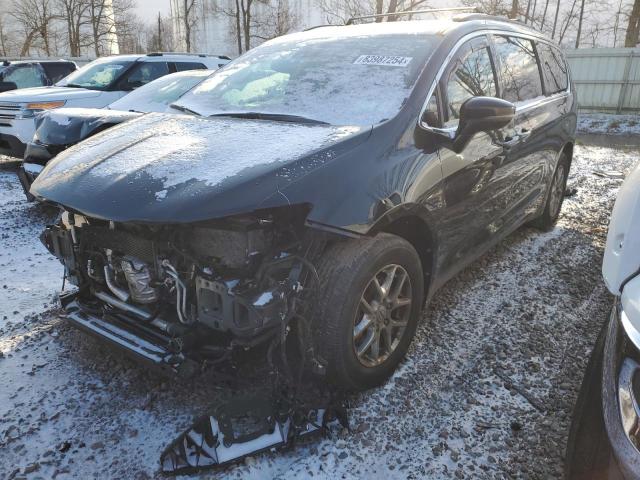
pixel 315 192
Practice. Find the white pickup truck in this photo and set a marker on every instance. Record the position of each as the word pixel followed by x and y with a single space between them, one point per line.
pixel 95 85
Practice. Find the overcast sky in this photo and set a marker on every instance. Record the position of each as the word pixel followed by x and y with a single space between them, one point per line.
pixel 148 9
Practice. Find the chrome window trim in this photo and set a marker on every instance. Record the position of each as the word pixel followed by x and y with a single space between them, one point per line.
pixel 520 106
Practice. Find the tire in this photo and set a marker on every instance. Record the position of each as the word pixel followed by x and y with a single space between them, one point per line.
pixel 347 274
pixel 555 197
pixel 588 452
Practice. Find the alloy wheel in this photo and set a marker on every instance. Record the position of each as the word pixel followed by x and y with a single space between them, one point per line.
pixel 382 316
pixel 557 191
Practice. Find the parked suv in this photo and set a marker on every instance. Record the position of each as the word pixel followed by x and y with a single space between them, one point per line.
pixel 95 85
pixel 321 188
pixel 33 73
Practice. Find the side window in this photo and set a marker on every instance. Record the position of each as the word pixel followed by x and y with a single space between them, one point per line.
pixel 431 115
pixel 24 76
pixel 518 69
pixel 470 75
pixel 144 73
pixel 57 71
pixel 554 69
pixel 182 66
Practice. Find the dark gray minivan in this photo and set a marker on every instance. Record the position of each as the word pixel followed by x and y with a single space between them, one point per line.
pixel 315 193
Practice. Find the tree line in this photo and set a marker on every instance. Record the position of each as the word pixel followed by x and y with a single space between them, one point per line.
pixel 82 27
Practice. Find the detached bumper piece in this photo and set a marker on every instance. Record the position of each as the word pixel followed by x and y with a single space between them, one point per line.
pixel 242 427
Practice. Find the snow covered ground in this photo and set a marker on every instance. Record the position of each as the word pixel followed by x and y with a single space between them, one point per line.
pixel 609 124
pixel 486 392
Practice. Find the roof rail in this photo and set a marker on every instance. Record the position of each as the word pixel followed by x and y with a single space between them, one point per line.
pixel 413 12
pixel 202 55
pixel 320 26
pixel 484 16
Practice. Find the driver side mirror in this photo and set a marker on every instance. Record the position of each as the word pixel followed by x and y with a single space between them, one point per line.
pixel 6 86
pixel 481 114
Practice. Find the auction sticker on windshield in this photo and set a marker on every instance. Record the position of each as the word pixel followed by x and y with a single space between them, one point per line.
pixel 386 60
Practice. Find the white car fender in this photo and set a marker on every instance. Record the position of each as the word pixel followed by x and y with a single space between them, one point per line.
pixel 622 253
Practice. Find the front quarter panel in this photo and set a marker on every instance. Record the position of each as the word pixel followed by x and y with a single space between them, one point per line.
pixel 357 192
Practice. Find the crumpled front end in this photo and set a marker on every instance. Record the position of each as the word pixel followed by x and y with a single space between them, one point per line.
pixel 179 296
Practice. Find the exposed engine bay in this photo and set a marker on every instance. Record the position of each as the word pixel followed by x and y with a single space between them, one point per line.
pixel 184 294
pixel 186 297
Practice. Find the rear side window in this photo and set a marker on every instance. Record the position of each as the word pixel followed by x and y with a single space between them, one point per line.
pixel 554 69
pixel 471 75
pixel 518 68
pixel 24 76
pixel 57 71
pixel 144 73
pixel 182 66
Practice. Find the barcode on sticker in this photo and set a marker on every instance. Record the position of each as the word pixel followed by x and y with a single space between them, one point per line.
pixel 388 60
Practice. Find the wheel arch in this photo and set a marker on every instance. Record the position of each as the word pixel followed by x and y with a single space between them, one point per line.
pixel 567 149
pixel 412 223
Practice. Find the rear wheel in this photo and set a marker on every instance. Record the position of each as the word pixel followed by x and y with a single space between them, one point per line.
pixel 557 189
pixel 368 308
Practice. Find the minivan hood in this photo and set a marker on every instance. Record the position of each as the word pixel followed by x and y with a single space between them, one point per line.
pixel 178 168
pixel 622 253
pixel 47 94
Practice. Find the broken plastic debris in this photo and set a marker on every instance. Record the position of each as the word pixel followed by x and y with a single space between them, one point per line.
pixel 242 427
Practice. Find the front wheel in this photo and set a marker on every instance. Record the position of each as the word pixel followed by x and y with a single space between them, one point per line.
pixel 368 308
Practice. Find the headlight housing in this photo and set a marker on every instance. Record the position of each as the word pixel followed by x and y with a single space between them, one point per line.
pixel 31 109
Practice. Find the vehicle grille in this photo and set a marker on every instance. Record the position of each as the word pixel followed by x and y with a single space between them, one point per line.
pixel 8 111
pixel 10 106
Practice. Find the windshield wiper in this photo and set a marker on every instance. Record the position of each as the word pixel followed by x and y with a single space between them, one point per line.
pixel 185 109
pixel 74 85
pixel 277 117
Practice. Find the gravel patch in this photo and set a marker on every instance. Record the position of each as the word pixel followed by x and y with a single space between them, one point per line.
pixel 487 389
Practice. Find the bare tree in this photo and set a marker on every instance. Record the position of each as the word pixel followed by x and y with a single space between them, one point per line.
pixel 272 20
pixel 544 14
pixel 74 12
pixel 159 35
pixel 633 26
pixel 36 18
pixel 240 12
pixel 338 11
pixel 505 8
pixel 514 9
pixel 580 18
pixel 555 20
pixel 103 25
pixel 189 20
pixel 132 34
pixel 4 39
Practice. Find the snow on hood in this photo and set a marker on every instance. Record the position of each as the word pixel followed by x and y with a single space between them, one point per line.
pixel 47 94
pixel 163 156
pixel 622 253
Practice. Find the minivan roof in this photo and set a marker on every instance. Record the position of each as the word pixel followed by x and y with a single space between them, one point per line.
pixel 442 26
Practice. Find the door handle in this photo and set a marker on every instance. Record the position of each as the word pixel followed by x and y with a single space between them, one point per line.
pixel 509 141
pixel 524 133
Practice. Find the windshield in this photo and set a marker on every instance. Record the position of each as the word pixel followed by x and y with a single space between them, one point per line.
pixel 157 95
pixel 97 75
pixel 341 80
